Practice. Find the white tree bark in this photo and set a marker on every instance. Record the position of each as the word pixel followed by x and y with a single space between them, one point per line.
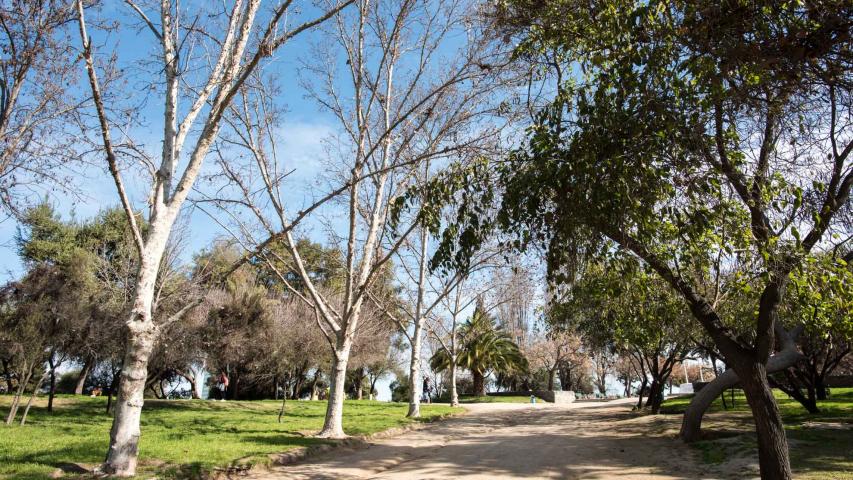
pixel 415 385
pixel 388 127
pixel 226 76
pixel 333 422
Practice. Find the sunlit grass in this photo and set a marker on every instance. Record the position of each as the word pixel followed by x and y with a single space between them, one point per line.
pixel 180 435
pixel 820 444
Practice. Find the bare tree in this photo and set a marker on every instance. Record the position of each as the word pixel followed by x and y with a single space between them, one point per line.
pixel 37 108
pixel 602 365
pixel 399 103
pixel 443 323
pixel 552 348
pixel 204 64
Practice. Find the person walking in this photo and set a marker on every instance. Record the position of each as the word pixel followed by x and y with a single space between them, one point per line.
pixel 222 385
pixel 427 390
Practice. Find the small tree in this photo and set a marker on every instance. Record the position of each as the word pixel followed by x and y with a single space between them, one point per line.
pixel 553 348
pixel 484 348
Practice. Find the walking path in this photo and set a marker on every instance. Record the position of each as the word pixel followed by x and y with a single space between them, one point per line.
pixel 501 441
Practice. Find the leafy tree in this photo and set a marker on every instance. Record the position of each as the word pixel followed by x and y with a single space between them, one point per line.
pixel 485 348
pixel 619 306
pixel 821 300
pixel 677 130
pixel 40 317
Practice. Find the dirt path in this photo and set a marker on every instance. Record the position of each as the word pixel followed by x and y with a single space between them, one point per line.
pixel 498 441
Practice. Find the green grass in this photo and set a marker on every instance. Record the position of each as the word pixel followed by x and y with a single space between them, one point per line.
pixel 839 407
pixel 816 453
pixel 182 437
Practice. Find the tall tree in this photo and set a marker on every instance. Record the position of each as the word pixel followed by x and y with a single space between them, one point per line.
pixel 677 130
pixel 236 41
pixel 394 97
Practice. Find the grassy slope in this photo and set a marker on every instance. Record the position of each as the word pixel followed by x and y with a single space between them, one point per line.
pixel 189 436
pixel 820 444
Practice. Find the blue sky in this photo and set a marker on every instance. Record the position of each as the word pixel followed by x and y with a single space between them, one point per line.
pixel 304 128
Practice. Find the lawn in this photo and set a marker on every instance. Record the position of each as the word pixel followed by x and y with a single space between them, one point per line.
pixel 820 444
pixel 181 437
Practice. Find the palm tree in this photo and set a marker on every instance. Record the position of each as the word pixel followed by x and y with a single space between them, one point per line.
pixel 484 348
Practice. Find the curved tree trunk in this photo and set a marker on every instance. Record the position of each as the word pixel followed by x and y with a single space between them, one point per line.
pixel 36 388
pixel 22 386
pixel 691 424
pixel 84 374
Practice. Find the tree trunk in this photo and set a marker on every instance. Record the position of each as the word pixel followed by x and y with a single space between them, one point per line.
pixel 643 385
pixel 479 384
pixel 84 374
pixel 198 371
pixel 772 443
pixel 551 374
pixel 124 434
pixel 314 385
pixel 809 401
pixel 793 387
pixel 193 388
pixel 283 405
pixel 297 386
pixel 415 385
pixel 371 395
pixel 820 389
pixel 454 392
pixel 19 393
pixel 359 384
pixel 691 424
pixel 52 392
pixel 655 393
pixel 33 396
pixel 333 424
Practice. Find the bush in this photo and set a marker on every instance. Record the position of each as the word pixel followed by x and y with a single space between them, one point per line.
pixel 400 390
pixel 67 381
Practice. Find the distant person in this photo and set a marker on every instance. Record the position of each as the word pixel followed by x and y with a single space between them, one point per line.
pixel 221 386
pixel 427 390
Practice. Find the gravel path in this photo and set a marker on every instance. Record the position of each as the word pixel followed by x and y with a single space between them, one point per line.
pixel 500 441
